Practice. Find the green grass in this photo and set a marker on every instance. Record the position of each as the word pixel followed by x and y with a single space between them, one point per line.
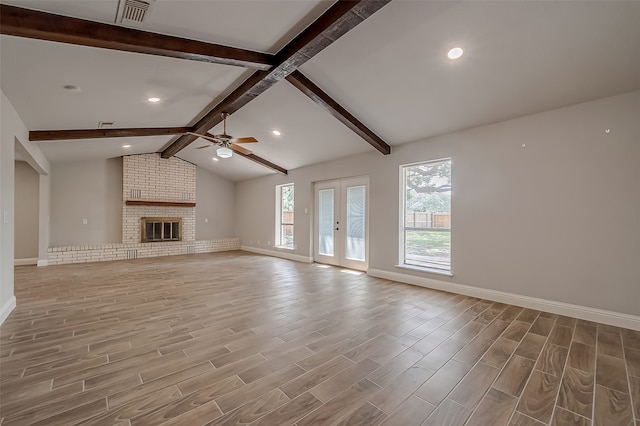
pixel 428 242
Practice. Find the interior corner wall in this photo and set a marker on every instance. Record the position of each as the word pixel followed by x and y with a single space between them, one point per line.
pixel 26 211
pixel 90 190
pixel 215 206
pixel 44 184
pixel 12 128
pixel 545 206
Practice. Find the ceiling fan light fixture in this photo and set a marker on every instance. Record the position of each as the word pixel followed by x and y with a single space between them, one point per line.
pixel 224 152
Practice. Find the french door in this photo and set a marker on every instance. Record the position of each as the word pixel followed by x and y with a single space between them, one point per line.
pixel 341 223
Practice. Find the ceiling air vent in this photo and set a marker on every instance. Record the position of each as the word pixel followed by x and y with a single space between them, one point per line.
pixel 134 12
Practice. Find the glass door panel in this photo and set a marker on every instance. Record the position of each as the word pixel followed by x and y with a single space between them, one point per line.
pixel 326 218
pixel 356 213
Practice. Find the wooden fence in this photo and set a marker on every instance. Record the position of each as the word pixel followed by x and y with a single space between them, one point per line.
pixel 287 217
pixel 426 220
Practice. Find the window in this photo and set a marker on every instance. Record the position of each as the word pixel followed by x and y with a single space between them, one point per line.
pixel 284 216
pixel 426 218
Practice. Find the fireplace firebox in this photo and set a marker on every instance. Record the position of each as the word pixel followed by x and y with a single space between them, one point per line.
pixel 155 229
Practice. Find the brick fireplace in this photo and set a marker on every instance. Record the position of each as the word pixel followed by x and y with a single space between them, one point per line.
pixel 149 177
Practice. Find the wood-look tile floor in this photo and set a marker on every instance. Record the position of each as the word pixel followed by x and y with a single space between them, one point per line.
pixel 234 338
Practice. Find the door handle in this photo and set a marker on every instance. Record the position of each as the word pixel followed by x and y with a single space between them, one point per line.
pixel 337 229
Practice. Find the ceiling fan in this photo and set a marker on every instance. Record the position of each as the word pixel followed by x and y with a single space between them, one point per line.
pixel 226 143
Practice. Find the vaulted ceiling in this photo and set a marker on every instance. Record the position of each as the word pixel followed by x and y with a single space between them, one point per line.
pixel 390 73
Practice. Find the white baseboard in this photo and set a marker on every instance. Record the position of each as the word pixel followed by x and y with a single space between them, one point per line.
pixel 282 254
pixel 6 309
pixel 43 262
pixel 576 311
pixel 21 262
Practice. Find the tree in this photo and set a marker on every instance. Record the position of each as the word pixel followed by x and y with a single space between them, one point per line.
pixel 287 198
pixel 435 203
pixel 429 187
pixel 430 178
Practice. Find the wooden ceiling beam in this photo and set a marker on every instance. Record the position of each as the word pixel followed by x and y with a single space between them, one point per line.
pixel 340 18
pixel 317 95
pixel 20 22
pixel 57 135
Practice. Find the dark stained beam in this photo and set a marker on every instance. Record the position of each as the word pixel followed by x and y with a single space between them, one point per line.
pixel 321 98
pixel 17 21
pixel 57 135
pixel 339 19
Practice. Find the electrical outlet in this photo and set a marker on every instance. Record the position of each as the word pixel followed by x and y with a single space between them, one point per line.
pixel 85 221
pixel 206 220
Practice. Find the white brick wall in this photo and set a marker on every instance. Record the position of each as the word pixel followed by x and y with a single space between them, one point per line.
pixel 151 177
pixel 106 252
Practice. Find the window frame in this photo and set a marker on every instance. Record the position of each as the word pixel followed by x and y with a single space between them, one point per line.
pixel 402 249
pixel 279 224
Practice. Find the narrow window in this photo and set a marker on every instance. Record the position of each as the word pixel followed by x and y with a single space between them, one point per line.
pixel 426 219
pixel 284 215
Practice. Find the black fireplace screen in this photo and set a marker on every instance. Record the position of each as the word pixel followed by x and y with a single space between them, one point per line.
pixel 161 229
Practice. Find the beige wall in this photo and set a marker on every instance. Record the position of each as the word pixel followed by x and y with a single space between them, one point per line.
pixel 26 211
pixel 89 190
pixel 215 203
pixel 13 133
pixel 11 128
pixel 557 218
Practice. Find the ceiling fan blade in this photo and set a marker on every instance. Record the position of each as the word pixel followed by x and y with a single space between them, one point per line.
pixel 204 146
pixel 244 140
pixel 240 149
pixel 210 138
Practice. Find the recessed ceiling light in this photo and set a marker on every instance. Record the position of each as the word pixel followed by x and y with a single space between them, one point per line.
pixel 72 88
pixel 607 130
pixel 126 146
pixel 215 159
pixel 153 100
pixel 455 52
pixel 276 132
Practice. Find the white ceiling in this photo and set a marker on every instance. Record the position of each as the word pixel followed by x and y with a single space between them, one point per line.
pixel 391 72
